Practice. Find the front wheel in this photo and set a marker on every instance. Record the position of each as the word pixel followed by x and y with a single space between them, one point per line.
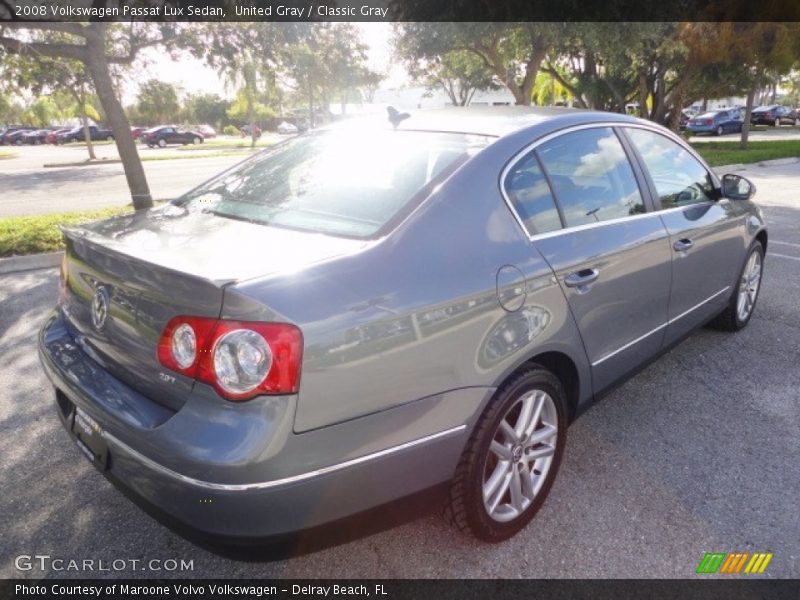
pixel 743 300
pixel 196 140
pixel 512 457
pixel 162 142
pixel 777 123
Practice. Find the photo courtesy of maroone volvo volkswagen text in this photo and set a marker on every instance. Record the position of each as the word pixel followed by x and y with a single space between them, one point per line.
pixel 367 311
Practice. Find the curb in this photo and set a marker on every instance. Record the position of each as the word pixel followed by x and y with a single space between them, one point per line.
pixel 775 162
pixel 15 264
pixel 83 163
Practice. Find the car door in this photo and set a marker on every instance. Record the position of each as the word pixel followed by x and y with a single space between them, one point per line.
pixel 704 230
pixel 611 258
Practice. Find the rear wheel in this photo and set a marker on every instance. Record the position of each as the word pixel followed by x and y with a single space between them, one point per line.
pixel 743 300
pixel 777 123
pixel 196 140
pixel 511 458
pixel 162 142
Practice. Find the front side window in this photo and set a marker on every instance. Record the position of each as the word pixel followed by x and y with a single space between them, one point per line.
pixel 341 182
pixel 529 193
pixel 591 176
pixel 679 178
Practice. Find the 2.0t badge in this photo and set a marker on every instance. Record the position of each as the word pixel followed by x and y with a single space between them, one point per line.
pixel 100 308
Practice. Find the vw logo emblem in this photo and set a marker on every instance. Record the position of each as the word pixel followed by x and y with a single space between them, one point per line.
pixel 100 308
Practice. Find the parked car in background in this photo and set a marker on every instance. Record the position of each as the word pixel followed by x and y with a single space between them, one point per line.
pixel 136 132
pixel 13 135
pixel 35 137
pixel 716 122
pixel 207 131
pixel 52 137
pixel 77 134
pixel 270 344
pixel 245 131
pixel 287 128
pixel 774 115
pixel 169 134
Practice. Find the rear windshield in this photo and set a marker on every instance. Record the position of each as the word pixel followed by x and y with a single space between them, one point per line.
pixel 348 183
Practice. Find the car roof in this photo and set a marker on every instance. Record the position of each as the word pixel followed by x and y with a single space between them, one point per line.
pixel 495 121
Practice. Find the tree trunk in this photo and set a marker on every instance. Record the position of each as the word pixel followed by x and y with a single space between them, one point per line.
pixel 751 94
pixel 86 134
pixel 131 163
pixel 80 98
pixel 644 92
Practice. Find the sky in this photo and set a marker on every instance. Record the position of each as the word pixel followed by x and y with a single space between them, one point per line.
pixel 192 75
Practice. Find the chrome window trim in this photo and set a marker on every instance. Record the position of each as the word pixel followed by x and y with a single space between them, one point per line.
pixel 660 327
pixel 519 156
pixel 238 487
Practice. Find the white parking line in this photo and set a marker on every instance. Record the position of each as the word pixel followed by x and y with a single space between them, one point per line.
pixel 797 258
pixel 785 243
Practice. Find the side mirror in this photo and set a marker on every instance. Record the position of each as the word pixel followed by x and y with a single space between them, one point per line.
pixel 737 187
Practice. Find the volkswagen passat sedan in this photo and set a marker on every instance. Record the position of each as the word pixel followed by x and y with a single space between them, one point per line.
pixel 362 313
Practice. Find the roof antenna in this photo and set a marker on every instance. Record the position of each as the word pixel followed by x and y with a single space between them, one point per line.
pixel 395 116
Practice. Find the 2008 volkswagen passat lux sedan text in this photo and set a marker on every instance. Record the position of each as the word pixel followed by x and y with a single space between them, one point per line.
pixel 365 312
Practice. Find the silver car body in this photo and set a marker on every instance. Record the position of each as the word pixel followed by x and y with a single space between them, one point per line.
pixel 406 337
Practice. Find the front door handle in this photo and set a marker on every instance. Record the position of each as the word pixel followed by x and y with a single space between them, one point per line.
pixel 581 278
pixel 683 245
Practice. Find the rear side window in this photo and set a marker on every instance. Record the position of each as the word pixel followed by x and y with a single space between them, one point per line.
pixel 591 176
pixel 679 178
pixel 529 193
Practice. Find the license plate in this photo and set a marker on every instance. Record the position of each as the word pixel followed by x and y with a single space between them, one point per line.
pixel 89 438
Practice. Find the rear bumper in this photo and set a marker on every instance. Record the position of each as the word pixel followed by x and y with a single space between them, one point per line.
pixel 237 469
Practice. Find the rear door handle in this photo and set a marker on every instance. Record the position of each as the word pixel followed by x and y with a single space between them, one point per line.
pixel 581 278
pixel 683 245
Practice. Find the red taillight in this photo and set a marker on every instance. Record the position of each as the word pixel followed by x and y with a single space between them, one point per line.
pixel 709 121
pixel 285 349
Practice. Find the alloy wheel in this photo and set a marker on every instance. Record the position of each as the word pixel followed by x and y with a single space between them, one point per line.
pixel 748 286
pixel 520 456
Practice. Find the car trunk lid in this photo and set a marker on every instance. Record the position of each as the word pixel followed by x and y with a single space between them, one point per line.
pixel 128 276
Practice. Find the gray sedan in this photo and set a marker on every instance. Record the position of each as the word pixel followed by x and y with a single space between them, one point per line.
pixel 366 312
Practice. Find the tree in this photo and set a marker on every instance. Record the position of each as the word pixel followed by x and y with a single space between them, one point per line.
pixel 157 102
pixel 53 80
pixel 763 51
pixel 205 108
pixel 244 54
pixel 459 73
pixel 97 45
pixel 512 52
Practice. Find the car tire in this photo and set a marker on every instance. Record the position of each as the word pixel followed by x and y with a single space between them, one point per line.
pixel 196 140
pixel 745 293
pixel 534 391
pixel 797 122
pixel 162 142
pixel 720 130
pixel 108 138
pixel 777 123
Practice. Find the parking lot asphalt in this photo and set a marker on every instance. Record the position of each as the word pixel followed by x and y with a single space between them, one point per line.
pixel 699 452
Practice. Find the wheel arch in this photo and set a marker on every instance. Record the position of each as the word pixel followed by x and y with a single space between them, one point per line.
pixel 563 367
pixel 762 237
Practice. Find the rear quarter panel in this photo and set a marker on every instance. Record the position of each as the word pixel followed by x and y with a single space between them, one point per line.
pixel 417 313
